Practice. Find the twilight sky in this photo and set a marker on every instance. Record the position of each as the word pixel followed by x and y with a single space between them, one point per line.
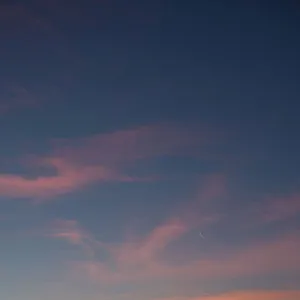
pixel 149 150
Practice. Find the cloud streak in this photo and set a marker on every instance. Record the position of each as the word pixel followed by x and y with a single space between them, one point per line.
pixel 68 177
pixel 127 146
pixel 259 259
pixel 139 257
pixel 149 257
pixel 279 209
pixel 103 157
pixel 247 295
pixel 71 232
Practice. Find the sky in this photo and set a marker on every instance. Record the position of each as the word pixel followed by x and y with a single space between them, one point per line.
pixel 149 150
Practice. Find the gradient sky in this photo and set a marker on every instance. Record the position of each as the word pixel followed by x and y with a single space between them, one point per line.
pixel 149 150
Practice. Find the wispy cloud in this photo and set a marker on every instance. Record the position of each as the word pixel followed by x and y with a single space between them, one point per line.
pixel 67 178
pixel 71 232
pixel 247 295
pixel 103 157
pixel 269 211
pixel 145 258
pixel 259 259
pixel 278 209
pixel 147 249
pixel 139 257
pixel 127 146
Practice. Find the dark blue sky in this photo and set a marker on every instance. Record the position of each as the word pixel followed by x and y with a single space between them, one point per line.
pixel 130 127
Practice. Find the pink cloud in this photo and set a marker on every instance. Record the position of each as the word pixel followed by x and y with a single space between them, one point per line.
pixel 144 258
pixel 68 230
pixel 127 146
pixel 212 187
pixel 270 211
pixel 140 258
pixel 261 258
pixel 68 177
pixel 282 208
pixel 149 249
pixel 145 250
pixel 247 295
pixel 133 259
pixel 103 158
pixel 132 263
pixel 71 232
pixel 203 210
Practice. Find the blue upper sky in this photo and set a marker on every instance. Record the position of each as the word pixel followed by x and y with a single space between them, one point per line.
pixel 149 150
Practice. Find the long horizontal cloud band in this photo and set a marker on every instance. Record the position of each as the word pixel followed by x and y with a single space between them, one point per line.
pixel 104 157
